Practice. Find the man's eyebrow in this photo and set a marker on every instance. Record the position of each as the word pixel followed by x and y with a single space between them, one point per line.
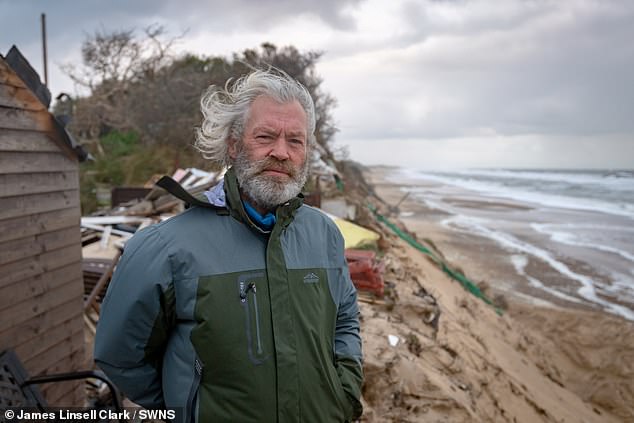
pixel 264 128
pixel 296 133
pixel 291 132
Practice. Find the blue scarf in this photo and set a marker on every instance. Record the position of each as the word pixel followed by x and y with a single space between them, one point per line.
pixel 265 222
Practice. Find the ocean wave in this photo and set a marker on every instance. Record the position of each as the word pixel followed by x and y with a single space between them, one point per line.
pixel 535 193
pixel 573 239
pixel 613 180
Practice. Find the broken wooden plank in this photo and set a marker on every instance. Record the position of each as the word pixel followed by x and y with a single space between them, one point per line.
pixel 103 281
pixel 110 220
pixel 102 228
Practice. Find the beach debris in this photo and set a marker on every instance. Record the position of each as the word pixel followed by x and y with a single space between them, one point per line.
pixel 366 271
pixel 394 210
pixel 430 308
pixel 393 340
pixel 338 206
pixel 413 344
pixel 123 195
pixel 105 233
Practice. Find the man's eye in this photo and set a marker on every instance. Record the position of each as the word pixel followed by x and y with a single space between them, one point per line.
pixel 297 141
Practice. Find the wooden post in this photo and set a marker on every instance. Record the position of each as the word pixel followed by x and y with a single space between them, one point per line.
pixel 44 52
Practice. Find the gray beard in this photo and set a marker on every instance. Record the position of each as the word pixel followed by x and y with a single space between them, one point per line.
pixel 268 192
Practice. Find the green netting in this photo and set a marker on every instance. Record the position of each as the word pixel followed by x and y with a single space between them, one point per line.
pixel 454 274
pixel 339 183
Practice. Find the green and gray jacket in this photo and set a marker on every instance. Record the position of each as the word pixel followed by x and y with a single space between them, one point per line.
pixel 211 315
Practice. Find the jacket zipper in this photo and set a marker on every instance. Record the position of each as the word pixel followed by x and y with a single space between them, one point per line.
pixel 257 319
pixel 244 294
pixel 198 372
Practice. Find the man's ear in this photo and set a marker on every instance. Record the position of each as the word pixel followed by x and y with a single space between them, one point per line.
pixel 232 148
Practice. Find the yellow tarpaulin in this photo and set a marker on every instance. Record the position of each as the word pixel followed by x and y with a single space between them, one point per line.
pixel 354 235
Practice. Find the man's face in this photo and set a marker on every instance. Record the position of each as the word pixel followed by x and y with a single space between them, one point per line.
pixel 271 160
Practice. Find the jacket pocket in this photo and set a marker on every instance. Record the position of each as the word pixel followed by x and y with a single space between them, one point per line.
pixel 347 405
pixel 339 393
pixel 252 324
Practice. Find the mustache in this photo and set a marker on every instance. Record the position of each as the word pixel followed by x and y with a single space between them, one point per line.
pixel 271 163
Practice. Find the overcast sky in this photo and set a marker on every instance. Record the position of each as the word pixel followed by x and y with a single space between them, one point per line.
pixel 420 83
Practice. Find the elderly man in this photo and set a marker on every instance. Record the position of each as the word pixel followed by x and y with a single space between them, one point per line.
pixel 241 308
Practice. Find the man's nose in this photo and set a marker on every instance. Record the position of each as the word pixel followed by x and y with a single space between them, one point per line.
pixel 280 149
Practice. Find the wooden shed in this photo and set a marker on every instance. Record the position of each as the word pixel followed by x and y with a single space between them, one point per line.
pixel 41 287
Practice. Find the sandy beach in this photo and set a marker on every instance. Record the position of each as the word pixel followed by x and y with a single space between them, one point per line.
pixel 533 252
pixel 545 359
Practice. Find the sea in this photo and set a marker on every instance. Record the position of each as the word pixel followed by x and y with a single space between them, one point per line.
pixel 568 235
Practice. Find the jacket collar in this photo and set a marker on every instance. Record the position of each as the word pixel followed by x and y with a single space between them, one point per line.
pixel 284 213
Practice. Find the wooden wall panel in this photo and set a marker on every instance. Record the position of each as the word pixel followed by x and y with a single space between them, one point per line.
pixel 19 249
pixel 55 344
pixel 11 207
pixel 36 286
pixel 23 226
pixel 8 77
pixel 41 344
pixel 12 118
pixel 19 98
pixel 67 356
pixel 51 362
pixel 13 140
pixel 37 183
pixel 19 314
pixel 78 395
pixel 31 267
pixel 35 162
pixel 37 326
pixel 65 394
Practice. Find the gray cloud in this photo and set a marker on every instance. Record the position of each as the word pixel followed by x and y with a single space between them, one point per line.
pixel 262 14
pixel 69 22
pixel 434 70
pixel 562 68
pixel 19 21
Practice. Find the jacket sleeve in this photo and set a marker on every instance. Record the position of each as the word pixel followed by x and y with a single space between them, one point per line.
pixel 348 356
pixel 135 319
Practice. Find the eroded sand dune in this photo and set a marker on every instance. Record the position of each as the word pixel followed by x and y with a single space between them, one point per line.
pixel 470 364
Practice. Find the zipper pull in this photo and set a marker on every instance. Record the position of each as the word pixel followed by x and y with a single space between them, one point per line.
pixel 245 290
pixel 199 367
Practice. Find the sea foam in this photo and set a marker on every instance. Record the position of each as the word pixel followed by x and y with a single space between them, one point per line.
pixel 586 290
pixel 567 191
